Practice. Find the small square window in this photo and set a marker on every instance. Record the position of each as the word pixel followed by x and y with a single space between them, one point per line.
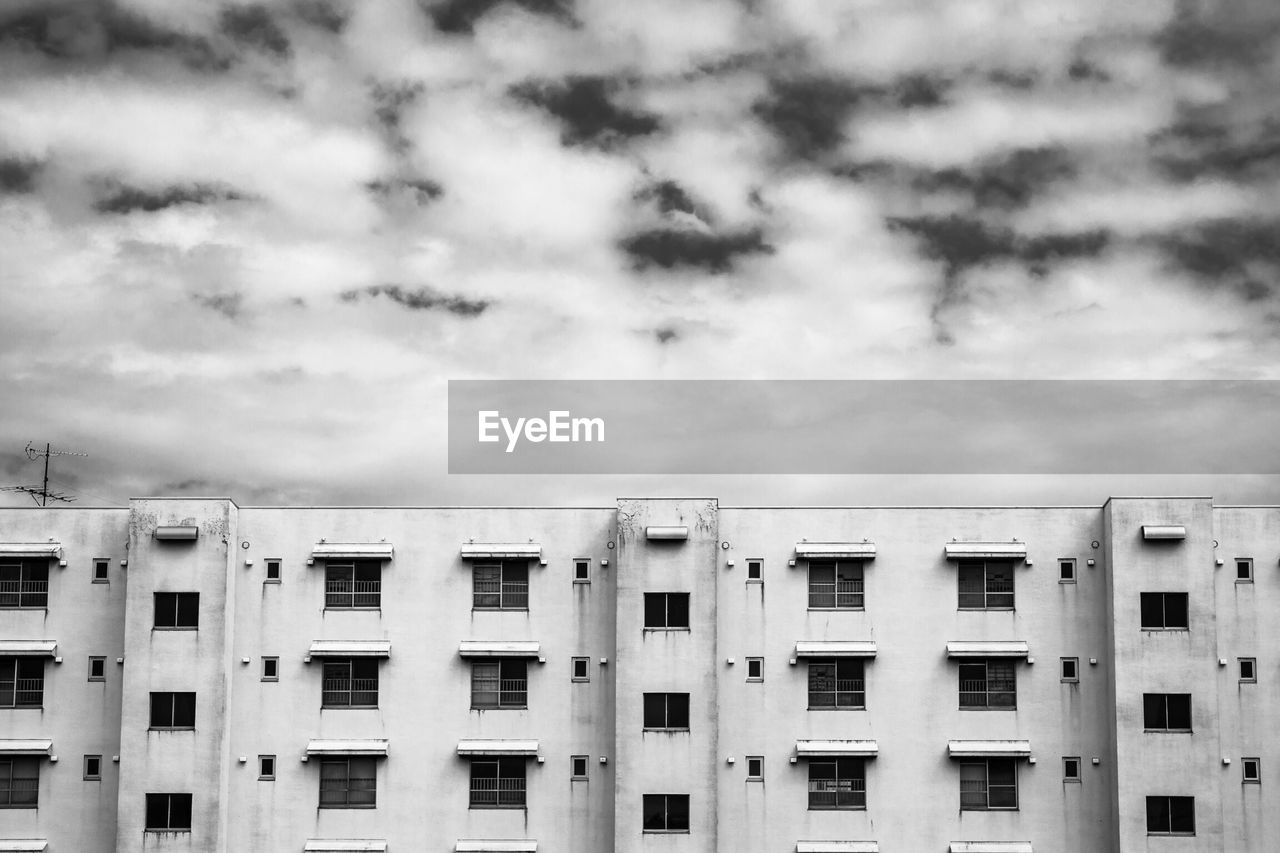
pixel 755 570
pixel 1071 768
pixel 582 669
pixel 101 567
pixel 1244 569
pixel 1249 669
pixel 582 570
pixel 1066 571
pixel 267 767
pixel 273 570
pixel 755 768
pixel 271 669
pixel 755 669
pixel 1071 669
pixel 578 766
pixel 1251 768
pixel 92 768
pixel 97 669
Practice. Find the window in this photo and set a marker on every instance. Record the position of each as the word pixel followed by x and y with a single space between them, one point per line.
pixel 578 767
pixel 1164 611
pixel 834 585
pixel 839 783
pixel 582 571
pixel 271 669
pixel 755 768
pixel 1166 712
pixel 92 768
pixel 1067 571
pixel 1251 769
pixel 497 783
pixel 1248 670
pixel 267 767
pixel 666 610
pixel 168 812
pixel 273 570
pixel 582 669
pixel 348 783
pixel 101 566
pixel 666 711
pixel 1070 669
pixel 353 584
pixel 350 683
pixel 837 683
pixel 24 583
pixel 1071 768
pixel 755 669
pixel 986 585
pixel 177 609
pixel 97 669
pixel 21 682
pixel 500 684
pixel 1244 569
pixel 1171 815
pixel 989 784
pixel 173 710
pixel 989 684
pixel 755 570
pixel 19 783
pixel 501 586
pixel 666 812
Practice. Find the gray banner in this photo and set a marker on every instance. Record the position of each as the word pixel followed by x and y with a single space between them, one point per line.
pixel 864 427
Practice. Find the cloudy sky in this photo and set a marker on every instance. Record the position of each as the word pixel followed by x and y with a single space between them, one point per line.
pixel 243 246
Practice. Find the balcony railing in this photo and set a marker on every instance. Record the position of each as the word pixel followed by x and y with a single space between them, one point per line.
pixel 348 593
pixel 497 792
pixel 507 693
pixel 978 794
pixel 22 693
pixel 982 694
pixel 848 693
pixel 841 594
pixel 352 791
pixel 350 693
pixel 837 794
pixel 24 593
pixel 501 595
pixel 19 791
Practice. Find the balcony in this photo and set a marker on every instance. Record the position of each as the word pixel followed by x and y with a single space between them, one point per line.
pixel 24 593
pixel 498 793
pixel 838 595
pixel 349 594
pixel 350 693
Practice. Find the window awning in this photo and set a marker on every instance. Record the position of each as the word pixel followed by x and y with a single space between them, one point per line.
pixel 177 532
pixel 345 845
pixel 352 551
pixel 988 649
pixel 837 748
pixel 669 532
pixel 513 846
pixel 990 847
pixel 26 746
pixel 28 648
pixel 989 748
pixel 499 648
pixel 498 747
pixel 25 844
pixel 1164 531
pixel 986 550
pixel 350 649
pixel 837 847
pixel 502 551
pixel 835 648
pixel 348 747
pixel 836 550
pixel 33 550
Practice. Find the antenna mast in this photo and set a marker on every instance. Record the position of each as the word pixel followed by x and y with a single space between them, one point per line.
pixel 41 494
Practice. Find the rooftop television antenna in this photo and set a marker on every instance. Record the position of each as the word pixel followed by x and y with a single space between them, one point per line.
pixel 41 494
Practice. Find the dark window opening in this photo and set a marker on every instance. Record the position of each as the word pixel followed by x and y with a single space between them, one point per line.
pixel 581 669
pixel 24 583
pixel 497 783
pixel 271 669
pixel 348 783
pixel 1071 769
pixel 101 568
pixel 666 610
pixel 350 683
pixel 266 767
pixel 353 585
pixel 19 783
pixel 989 684
pixel 21 682
pixel 1171 815
pixel 92 768
pixel 666 710
pixel 582 570
pixel 1164 610
pixel 839 783
pixel 837 683
pixel 173 710
pixel 986 585
pixel 1166 711
pixel 177 609
pixel 755 570
pixel 578 766
pixel 501 586
pixel 666 813
pixel 97 669
pixel 273 570
pixel 500 684
pixel 990 784
pixel 835 585
pixel 168 812
pixel 755 669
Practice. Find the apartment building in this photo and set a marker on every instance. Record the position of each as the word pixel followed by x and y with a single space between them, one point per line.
pixel 658 675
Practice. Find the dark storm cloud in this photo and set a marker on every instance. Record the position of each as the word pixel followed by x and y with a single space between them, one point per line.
pixel 254 27
pixel 669 197
pixel 586 109
pixel 1010 79
pixel 421 190
pixel 808 114
pixel 121 198
pixel 671 248
pixel 1205 143
pixel 1009 181
pixel 18 175
pixel 389 103
pixel 962 242
pixel 460 16
pixel 88 31
pixel 422 299
pixel 323 14
pixel 1082 70
pixel 229 305
pixel 666 335
pixel 1242 254
pixel 1201 35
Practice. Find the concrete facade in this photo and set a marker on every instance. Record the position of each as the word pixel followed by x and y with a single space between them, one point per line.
pixel 587 658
